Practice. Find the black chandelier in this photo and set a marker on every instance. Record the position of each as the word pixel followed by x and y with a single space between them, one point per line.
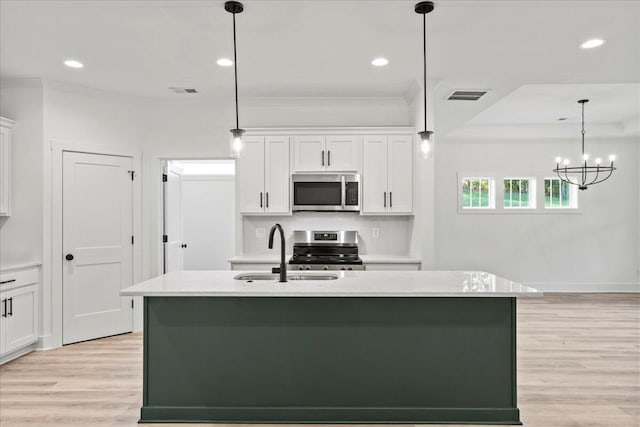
pixel 426 141
pixel 234 7
pixel 584 175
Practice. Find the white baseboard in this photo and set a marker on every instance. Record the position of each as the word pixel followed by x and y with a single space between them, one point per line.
pixel 17 353
pixel 45 342
pixel 586 287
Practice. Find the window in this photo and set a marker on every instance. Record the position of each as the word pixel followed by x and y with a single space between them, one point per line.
pixel 477 193
pixel 558 194
pixel 519 193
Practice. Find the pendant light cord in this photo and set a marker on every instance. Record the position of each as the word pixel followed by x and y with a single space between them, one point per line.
pixel 424 57
pixel 235 67
pixel 583 129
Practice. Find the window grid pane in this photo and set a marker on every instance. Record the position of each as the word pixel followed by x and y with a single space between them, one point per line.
pixel 476 193
pixel 516 193
pixel 557 193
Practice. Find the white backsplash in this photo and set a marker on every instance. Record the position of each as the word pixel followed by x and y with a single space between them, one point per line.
pixel 394 232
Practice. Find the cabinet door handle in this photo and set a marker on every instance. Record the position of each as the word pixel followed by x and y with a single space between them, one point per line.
pixel 10 306
pixel 322 157
pixel 390 199
pixel 261 199
pixel 385 199
pixel 329 158
pixel 267 199
pixel 4 307
pixel 7 281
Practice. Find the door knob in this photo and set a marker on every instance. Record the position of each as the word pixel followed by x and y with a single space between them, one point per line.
pixel 69 257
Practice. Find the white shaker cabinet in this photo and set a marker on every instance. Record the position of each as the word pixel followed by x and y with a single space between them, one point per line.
pixel 263 175
pixel 387 174
pixel 333 153
pixel 19 312
pixel 5 166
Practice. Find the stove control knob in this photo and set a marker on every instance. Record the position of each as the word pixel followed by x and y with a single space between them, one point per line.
pixel 350 268
pixel 308 267
pixel 343 268
pixel 326 267
pixel 300 267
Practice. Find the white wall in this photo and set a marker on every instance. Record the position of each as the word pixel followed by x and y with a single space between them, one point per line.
pixel 21 233
pixel 394 231
pixel 594 249
pixel 208 215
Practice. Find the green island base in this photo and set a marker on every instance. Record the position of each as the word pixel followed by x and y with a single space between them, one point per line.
pixel 427 360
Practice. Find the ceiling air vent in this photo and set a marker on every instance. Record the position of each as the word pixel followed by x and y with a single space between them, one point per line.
pixel 466 95
pixel 183 90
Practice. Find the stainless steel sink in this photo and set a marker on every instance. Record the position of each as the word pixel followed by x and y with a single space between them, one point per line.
pixel 269 276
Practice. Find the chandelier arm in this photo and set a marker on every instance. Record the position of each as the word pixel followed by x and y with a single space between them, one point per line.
pixel 566 178
pixel 605 178
pixel 595 179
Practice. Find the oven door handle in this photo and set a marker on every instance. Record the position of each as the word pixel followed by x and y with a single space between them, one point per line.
pixel 344 191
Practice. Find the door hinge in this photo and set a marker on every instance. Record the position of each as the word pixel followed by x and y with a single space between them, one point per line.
pixel 132 173
pixel 164 177
pixel 165 239
pixel 132 240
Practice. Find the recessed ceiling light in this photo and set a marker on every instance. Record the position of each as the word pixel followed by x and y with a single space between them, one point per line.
pixel 72 63
pixel 380 62
pixel 590 44
pixel 225 62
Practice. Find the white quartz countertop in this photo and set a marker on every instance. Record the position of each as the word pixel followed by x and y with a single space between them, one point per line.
pixel 17 265
pixel 367 259
pixel 348 284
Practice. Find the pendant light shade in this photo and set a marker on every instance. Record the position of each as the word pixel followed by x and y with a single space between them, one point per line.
pixel 235 148
pixel 426 136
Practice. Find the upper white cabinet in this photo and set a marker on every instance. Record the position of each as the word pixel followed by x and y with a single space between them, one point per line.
pixel 263 175
pixel 5 166
pixel 337 153
pixel 387 174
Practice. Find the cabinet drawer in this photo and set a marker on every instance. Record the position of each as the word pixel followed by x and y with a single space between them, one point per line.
pixel 18 278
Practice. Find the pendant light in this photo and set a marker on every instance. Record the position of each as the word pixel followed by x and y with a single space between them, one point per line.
pixel 234 7
pixel 586 174
pixel 426 136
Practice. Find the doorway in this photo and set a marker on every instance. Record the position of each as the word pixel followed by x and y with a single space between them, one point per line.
pixel 198 214
pixel 97 242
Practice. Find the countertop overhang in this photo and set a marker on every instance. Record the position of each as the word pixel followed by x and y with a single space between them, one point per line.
pixel 349 284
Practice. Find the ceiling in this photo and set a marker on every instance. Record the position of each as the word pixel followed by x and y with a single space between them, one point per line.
pixel 324 49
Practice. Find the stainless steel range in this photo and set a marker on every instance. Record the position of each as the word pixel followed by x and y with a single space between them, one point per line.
pixel 325 250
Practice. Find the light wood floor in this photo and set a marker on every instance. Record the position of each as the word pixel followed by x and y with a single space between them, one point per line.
pixel 578 366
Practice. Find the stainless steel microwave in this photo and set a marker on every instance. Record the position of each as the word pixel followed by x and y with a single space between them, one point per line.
pixel 325 192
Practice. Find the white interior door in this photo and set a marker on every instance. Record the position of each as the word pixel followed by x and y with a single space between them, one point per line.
pixel 97 245
pixel 173 252
pixel 209 221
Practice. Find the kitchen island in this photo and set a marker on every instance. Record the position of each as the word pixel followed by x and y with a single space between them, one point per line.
pixel 369 347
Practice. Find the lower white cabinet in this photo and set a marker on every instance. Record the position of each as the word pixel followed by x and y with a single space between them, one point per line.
pixel 19 312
